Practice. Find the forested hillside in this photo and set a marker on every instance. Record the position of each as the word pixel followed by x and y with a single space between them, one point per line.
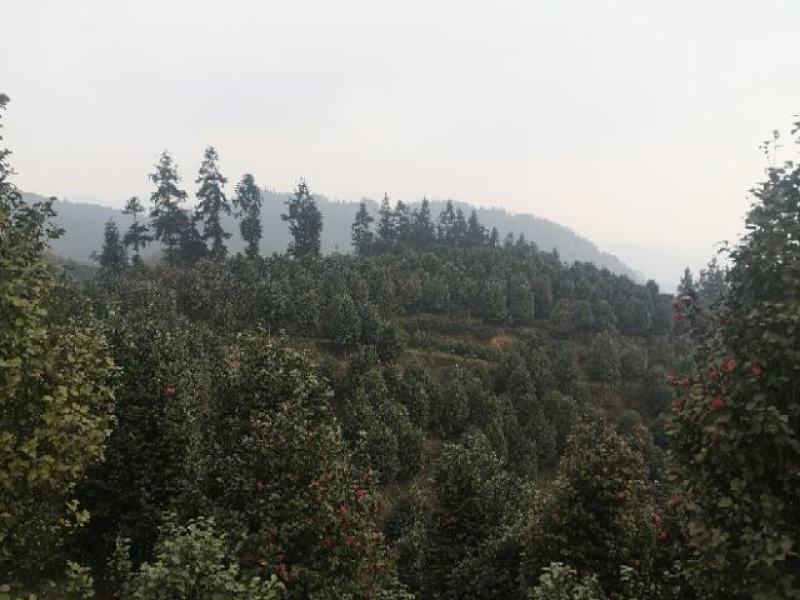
pixel 445 412
pixel 83 224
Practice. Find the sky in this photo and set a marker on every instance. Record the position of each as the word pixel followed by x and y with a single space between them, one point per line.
pixel 636 123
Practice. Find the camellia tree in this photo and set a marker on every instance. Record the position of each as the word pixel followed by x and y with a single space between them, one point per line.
pixel 735 430
pixel 55 399
pixel 278 473
pixel 597 516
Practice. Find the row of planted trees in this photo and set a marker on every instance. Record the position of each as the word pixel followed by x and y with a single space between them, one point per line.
pixel 187 236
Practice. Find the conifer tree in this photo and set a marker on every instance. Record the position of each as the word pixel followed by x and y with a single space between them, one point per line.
pixel 305 223
pixel 171 224
pixel 248 201
pixel 447 220
pixel 138 233
pixel 476 233
pixel 386 222
pixel 112 257
pixel 363 238
pixel 422 230
pixel 402 222
pixel 459 226
pixel 212 203
pixel 494 238
pixel 686 285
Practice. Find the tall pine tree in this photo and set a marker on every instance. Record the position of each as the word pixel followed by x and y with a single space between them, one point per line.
pixel 248 202
pixel 305 223
pixel 476 233
pixel 363 238
pixel 171 224
pixel 138 234
pixel 422 230
pixel 212 203
pixel 386 222
pixel 112 258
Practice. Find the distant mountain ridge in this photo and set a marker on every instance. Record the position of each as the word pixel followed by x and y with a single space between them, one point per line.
pixel 83 224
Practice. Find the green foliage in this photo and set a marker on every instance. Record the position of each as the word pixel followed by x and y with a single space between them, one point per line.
pixel 561 582
pixel 735 431
pixel 603 362
pixel 305 223
pixel 212 203
pixel 192 562
pixel 248 202
pixel 171 224
pixel 138 233
pixel 55 398
pixel 597 515
pixel 468 547
pixel 112 258
pixel 278 474
pixel 363 238
pixel 163 395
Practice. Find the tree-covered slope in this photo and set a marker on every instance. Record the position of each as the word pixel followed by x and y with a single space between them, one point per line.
pixel 83 224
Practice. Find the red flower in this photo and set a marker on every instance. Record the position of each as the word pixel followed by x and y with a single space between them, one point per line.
pixel 349 540
pixel 729 365
pixel 677 317
pixel 259 485
pixel 327 476
pixel 756 371
pixel 656 519
pixel 342 510
pixel 451 520
pixel 713 373
pixel 717 403
pixel 678 403
pixel 361 492
pixel 169 390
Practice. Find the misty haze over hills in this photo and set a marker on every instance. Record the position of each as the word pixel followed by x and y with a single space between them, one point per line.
pixel 83 224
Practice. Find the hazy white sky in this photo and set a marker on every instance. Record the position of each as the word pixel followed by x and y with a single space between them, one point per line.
pixel 634 122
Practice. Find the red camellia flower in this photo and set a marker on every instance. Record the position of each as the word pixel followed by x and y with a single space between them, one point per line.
pixel 717 403
pixel 361 492
pixel 656 519
pixel 729 365
pixel 713 373
pixel 169 390
pixel 678 403
pixel 677 317
pixel 349 540
pixel 342 510
pixel 756 371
